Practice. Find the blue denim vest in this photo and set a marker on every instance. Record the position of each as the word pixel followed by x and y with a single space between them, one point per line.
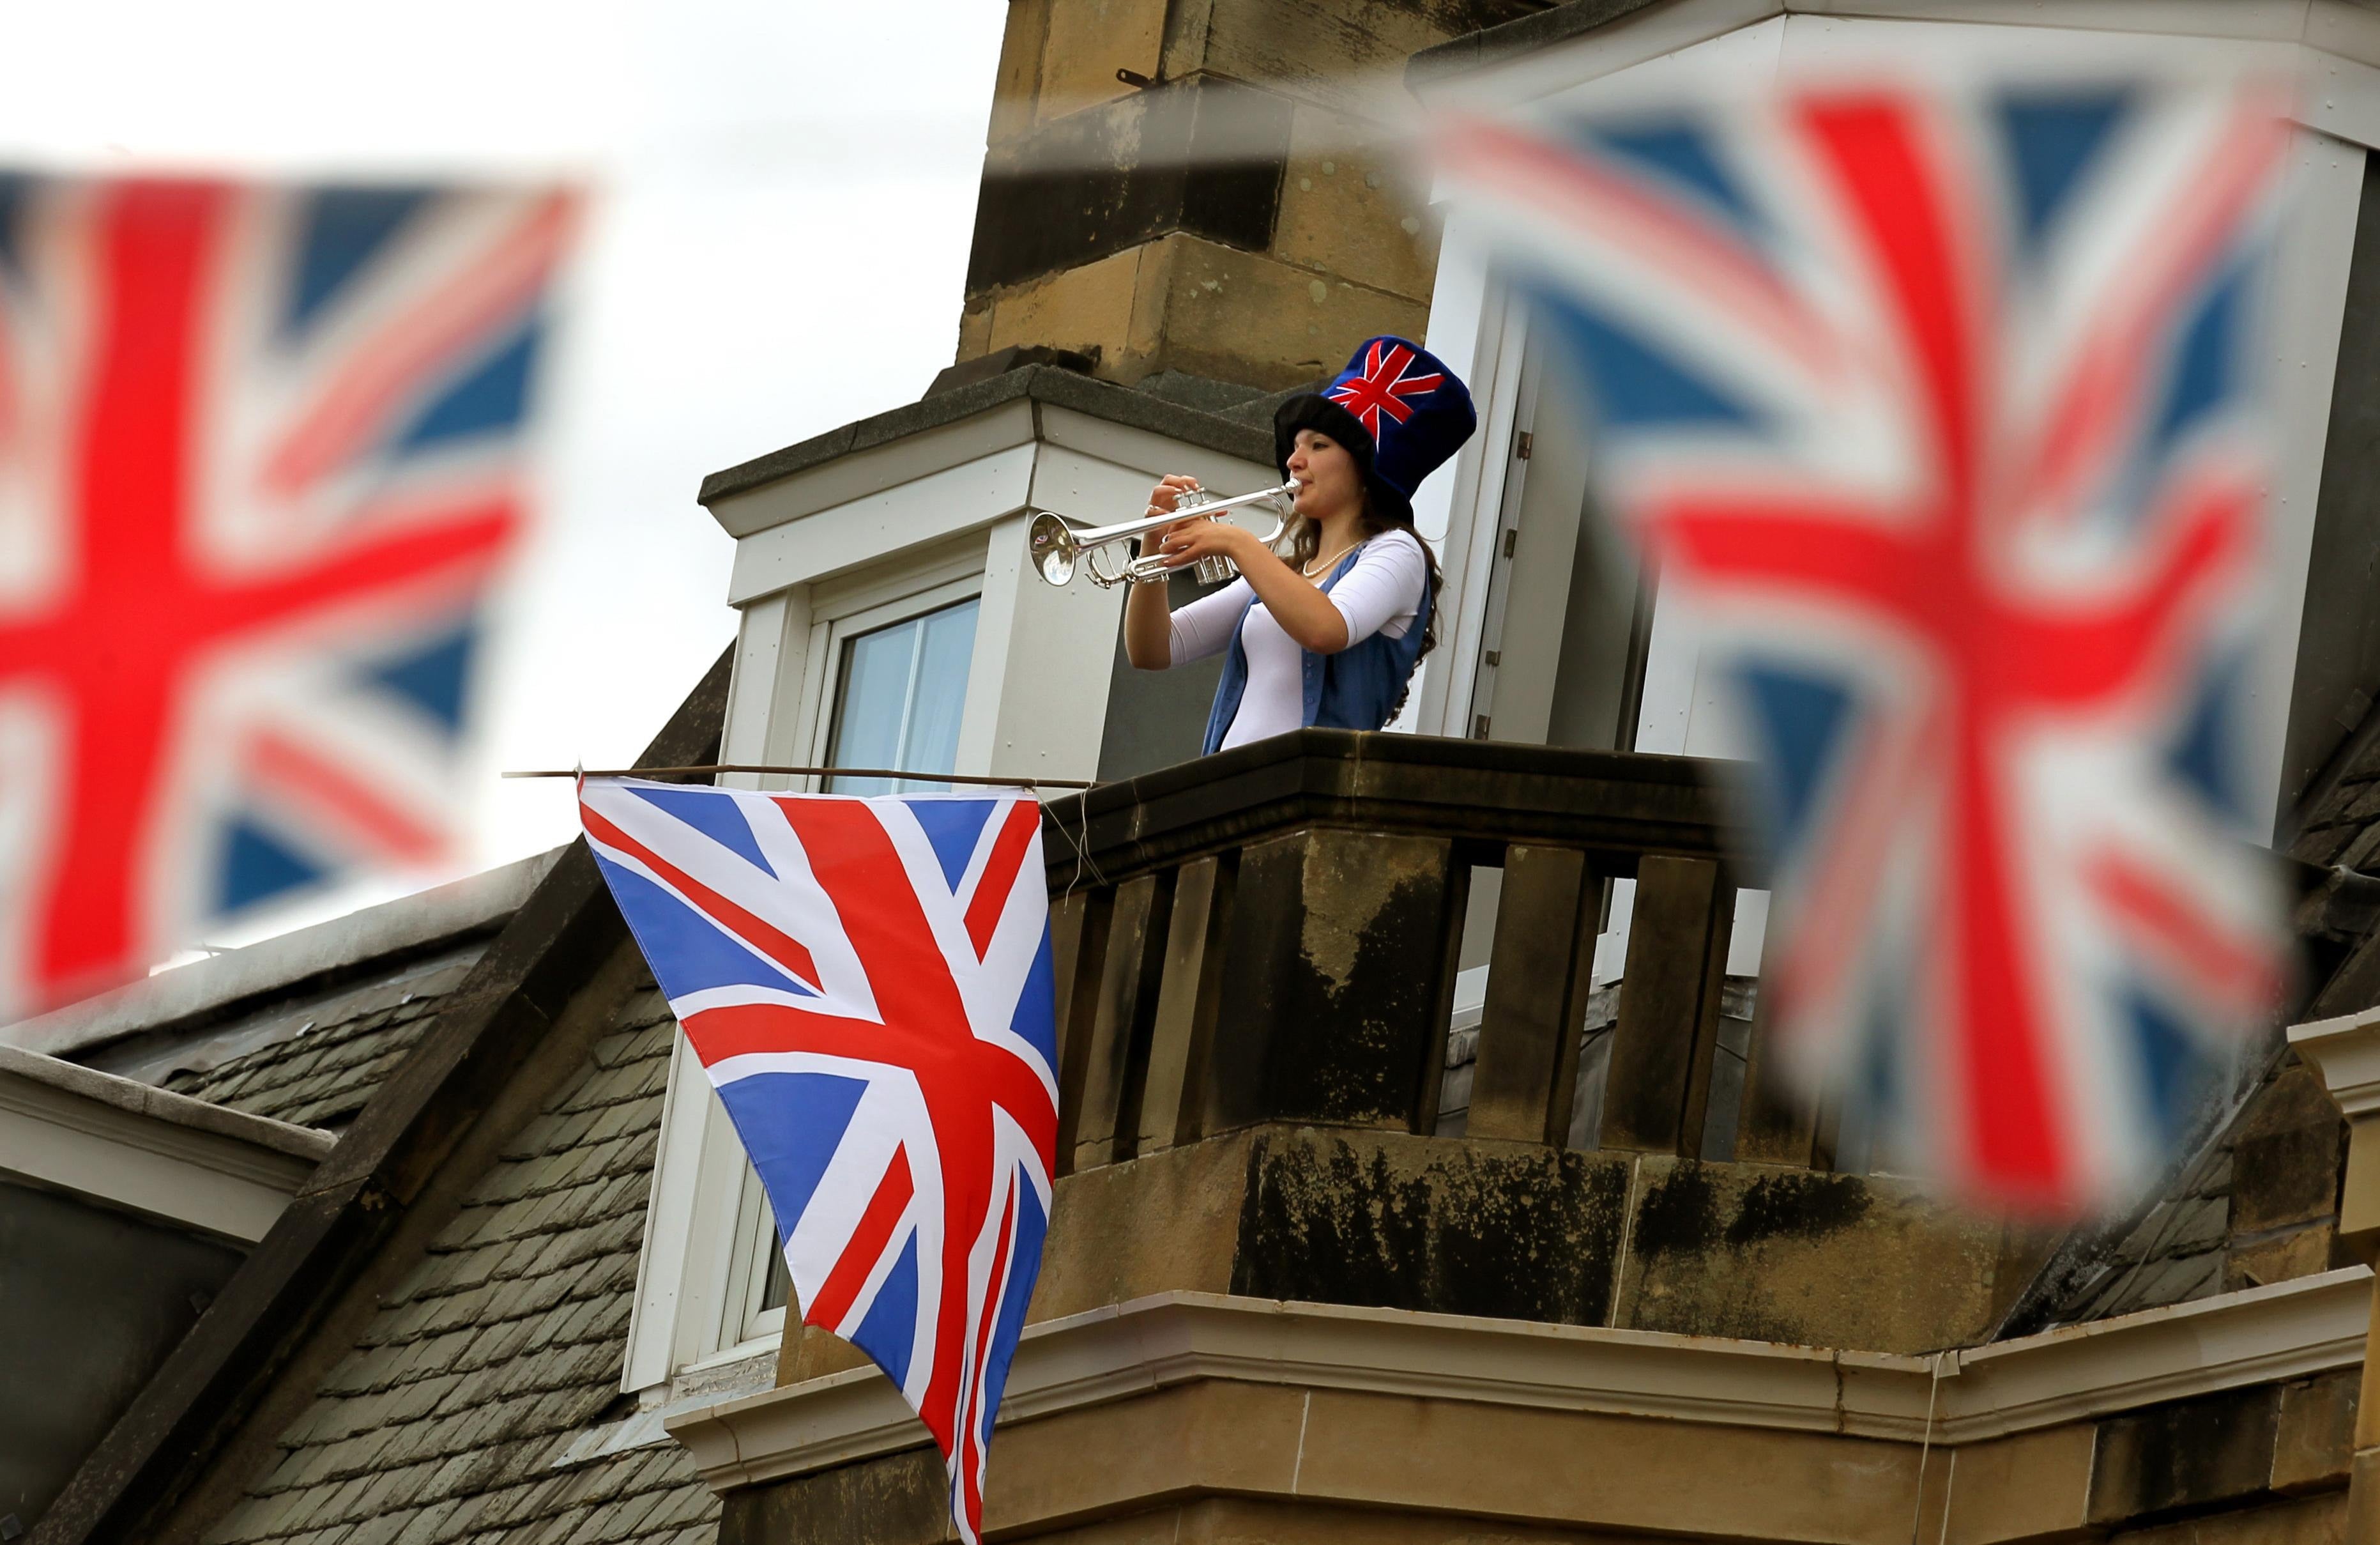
pixel 1353 690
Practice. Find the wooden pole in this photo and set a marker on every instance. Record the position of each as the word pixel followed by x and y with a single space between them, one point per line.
pixel 805 772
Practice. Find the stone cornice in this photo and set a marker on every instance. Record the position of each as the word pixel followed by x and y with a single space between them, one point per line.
pixel 2346 1053
pixel 2288 1331
pixel 2260 1335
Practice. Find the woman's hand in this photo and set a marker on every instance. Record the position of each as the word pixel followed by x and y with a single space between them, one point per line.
pixel 1163 499
pixel 1170 490
pixel 1194 540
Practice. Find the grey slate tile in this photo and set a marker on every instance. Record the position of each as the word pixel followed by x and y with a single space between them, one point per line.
pixel 419 1400
pixel 685 1505
pixel 2359 854
pixel 338 1535
pixel 266 1518
pixel 382 1497
pixel 341 1504
pixel 448 1483
pixel 626 1518
pixel 426 1525
pixel 596 1485
pixel 381 1529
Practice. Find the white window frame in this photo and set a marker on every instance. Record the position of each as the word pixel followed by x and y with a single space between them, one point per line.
pixel 752 1257
pixel 828 636
pixel 709 1235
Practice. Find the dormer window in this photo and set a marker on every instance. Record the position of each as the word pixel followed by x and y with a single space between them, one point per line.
pixel 889 619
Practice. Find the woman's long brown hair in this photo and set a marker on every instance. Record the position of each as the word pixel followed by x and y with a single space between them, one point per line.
pixel 1306 540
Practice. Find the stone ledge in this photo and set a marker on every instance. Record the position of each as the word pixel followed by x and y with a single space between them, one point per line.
pixel 1616 804
pixel 2288 1331
pixel 2346 1053
pixel 1176 1338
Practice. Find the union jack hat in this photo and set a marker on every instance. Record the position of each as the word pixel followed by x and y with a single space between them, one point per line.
pixel 1397 408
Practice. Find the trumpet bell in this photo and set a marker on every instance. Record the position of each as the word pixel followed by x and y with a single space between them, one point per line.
pixel 1053 547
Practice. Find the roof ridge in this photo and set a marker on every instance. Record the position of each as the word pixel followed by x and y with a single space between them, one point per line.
pixel 222 984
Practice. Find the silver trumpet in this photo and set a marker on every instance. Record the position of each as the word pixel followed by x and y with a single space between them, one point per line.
pixel 1056 545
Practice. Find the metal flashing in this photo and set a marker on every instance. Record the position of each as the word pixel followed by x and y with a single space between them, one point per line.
pixel 216 987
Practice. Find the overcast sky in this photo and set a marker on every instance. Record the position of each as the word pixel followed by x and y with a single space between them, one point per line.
pixel 784 192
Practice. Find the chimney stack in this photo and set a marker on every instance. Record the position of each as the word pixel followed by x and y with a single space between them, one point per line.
pixel 1204 186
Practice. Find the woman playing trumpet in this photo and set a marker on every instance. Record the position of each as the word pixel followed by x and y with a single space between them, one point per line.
pixel 1331 635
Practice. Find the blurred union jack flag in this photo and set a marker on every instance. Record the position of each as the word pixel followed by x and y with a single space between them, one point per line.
pixel 259 457
pixel 868 982
pixel 1935 393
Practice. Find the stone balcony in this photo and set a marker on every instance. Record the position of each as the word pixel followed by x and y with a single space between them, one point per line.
pixel 1256 963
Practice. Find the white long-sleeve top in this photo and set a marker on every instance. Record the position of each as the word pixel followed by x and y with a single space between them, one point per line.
pixel 1381 595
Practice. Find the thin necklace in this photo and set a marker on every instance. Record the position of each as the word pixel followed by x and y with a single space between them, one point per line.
pixel 1321 563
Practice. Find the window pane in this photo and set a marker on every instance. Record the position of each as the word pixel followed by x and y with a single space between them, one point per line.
pixel 940 698
pixel 780 1287
pixel 904 690
pixel 873 702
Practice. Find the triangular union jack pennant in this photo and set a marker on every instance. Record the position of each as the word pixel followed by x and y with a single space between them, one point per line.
pixel 1936 390
pixel 260 461
pixel 868 982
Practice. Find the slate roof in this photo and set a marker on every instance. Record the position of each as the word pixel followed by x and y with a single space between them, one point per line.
pixel 2175 1254
pixel 320 1071
pixel 2255 1202
pixel 502 1346
pixel 194 1016
pixel 2339 819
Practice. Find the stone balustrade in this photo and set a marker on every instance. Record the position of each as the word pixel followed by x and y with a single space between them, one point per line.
pixel 1271 935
